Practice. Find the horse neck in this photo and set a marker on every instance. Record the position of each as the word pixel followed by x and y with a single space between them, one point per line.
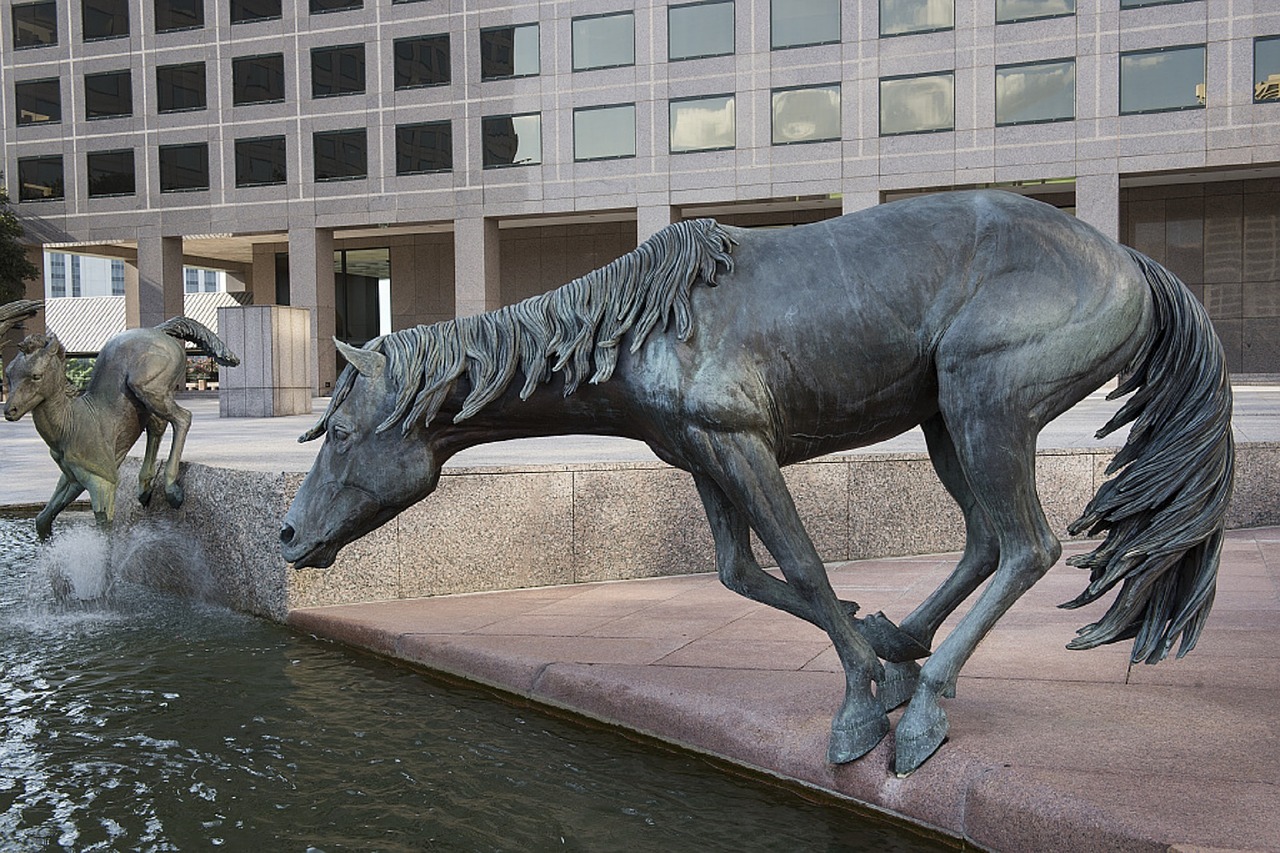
pixel 55 416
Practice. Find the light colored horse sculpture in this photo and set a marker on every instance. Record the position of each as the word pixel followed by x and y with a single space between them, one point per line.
pixel 130 391
pixel 979 316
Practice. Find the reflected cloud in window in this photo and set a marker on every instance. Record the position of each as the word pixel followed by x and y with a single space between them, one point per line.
pixel 1162 80
pixel 1036 92
pixel 1010 11
pixel 809 114
pixel 919 104
pixel 898 17
pixel 703 124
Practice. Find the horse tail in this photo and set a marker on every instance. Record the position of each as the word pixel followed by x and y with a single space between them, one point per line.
pixel 186 329
pixel 1164 512
pixel 12 313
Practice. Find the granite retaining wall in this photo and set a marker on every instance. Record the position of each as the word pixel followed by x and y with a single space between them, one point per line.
pixel 503 528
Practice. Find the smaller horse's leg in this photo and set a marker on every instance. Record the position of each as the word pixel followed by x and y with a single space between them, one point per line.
pixel 67 490
pixel 102 497
pixel 157 395
pixel 743 466
pixel 147 474
pixel 981 553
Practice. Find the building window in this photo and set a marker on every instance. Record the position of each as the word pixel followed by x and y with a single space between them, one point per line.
pixel 110 173
pixel 698 30
pixel 179 15
pixel 604 133
pixel 1137 4
pixel 108 95
pixel 511 140
pixel 247 11
pixel 337 70
pixel 1013 11
pixel 190 280
pixel 362 294
pixel 319 7
pixel 604 41
pixel 57 274
pixel 39 178
pixel 1153 81
pixel 800 23
pixel 919 104
pixel 105 19
pixel 703 124
pixel 180 87
pixel 117 277
pixel 807 114
pixel 509 52
pixel 184 167
pixel 76 286
pixel 898 17
pixel 38 101
pixel 260 161
pixel 1266 69
pixel 341 155
pixel 1036 92
pixel 424 147
pixel 257 79
pixel 422 61
pixel 35 25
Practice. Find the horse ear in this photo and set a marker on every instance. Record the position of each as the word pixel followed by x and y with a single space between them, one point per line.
pixel 367 362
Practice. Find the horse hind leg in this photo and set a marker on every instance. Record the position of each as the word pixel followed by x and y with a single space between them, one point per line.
pixel 156 394
pixel 147 473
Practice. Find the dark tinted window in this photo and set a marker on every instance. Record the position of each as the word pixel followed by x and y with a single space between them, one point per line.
pixel 257 79
pixel 511 140
pixel 509 52
pixel 337 70
pixel 184 167
pixel 179 15
pixel 105 19
pixel 700 29
pixel 422 61
pixel 107 95
pixel 110 173
pixel 38 101
pixel 180 87
pixel 35 24
pixel 39 178
pixel 340 154
pixel 260 161
pixel 243 11
pixel 319 6
pixel 426 147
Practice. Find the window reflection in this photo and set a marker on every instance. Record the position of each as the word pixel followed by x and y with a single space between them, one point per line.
pixel 604 133
pixel 180 87
pixel 916 16
pixel 35 24
pixel 260 161
pixel 110 173
pixel 39 178
pixel 606 41
pixel 512 140
pixel 184 167
pixel 509 52
pixel 179 15
pixel 425 147
pixel 917 104
pixel 244 11
pixel 798 23
pixel 337 70
pixel 1043 91
pixel 109 94
pixel 1266 69
pixel 422 61
pixel 697 30
pixel 703 124
pixel 38 101
pixel 1008 11
pixel 340 155
pixel 1162 80
pixel 104 19
pixel 257 79
pixel 811 114
pixel 1136 4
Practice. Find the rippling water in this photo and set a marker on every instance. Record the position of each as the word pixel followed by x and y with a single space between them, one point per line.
pixel 135 721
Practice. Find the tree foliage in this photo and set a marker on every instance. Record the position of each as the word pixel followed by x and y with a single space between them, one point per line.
pixel 15 266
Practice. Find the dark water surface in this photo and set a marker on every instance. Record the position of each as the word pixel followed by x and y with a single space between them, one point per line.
pixel 138 721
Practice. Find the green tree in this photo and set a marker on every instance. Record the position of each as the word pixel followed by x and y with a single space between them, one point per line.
pixel 15 266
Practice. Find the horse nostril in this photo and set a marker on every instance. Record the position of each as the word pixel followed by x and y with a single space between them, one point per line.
pixel 286 534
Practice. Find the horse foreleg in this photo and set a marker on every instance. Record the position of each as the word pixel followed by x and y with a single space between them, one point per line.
pixel 67 490
pixel 181 420
pixel 747 475
pixel 147 474
pixel 102 497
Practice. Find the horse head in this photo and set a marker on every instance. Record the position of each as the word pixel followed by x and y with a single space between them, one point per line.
pixel 36 374
pixel 366 472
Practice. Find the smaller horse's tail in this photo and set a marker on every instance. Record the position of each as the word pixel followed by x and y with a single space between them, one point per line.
pixel 186 329
pixel 12 313
pixel 1164 512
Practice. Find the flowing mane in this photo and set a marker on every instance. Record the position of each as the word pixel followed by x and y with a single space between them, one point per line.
pixel 563 331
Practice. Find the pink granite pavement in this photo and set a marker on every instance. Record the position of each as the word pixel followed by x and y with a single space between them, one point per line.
pixel 1049 749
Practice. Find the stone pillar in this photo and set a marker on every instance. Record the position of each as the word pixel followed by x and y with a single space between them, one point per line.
pixel 477 280
pixel 157 292
pixel 651 220
pixel 1098 202
pixel 273 377
pixel 311 285
pixel 262 274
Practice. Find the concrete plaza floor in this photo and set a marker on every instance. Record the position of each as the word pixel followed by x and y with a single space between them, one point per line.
pixel 1049 749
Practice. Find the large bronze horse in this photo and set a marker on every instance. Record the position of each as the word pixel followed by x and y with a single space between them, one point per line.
pixel 980 316
pixel 130 391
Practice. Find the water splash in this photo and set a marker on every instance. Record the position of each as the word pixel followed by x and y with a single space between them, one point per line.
pixel 74 567
pixel 158 554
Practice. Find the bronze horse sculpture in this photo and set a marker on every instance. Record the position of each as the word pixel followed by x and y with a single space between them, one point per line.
pixel 980 316
pixel 131 390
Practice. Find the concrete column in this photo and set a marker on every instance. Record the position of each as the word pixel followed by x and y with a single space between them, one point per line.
pixel 651 220
pixel 262 274
pixel 477 278
pixel 311 285
pixel 156 294
pixel 1098 202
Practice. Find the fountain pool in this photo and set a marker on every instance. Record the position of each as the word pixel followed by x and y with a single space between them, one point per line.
pixel 141 721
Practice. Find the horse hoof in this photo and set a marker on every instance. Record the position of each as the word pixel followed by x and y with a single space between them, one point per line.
pixel 851 742
pixel 174 495
pixel 144 498
pixel 898 684
pixel 922 729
